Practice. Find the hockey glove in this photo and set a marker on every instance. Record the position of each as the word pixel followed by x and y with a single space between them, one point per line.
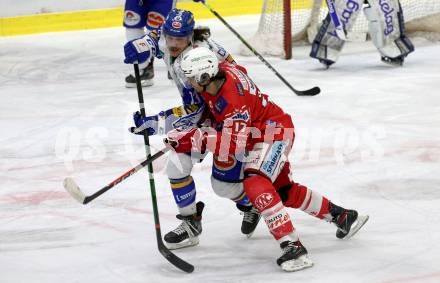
pixel 139 50
pixel 201 33
pixel 186 141
pixel 147 124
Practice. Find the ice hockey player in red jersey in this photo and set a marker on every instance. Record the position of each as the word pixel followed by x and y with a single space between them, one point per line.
pixel 246 123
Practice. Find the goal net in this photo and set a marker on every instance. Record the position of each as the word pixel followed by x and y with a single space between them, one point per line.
pixel 284 23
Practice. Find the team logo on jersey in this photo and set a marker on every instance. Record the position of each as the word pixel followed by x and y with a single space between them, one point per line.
pixel 220 105
pixel 241 115
pixel 263 200
pixel 224 165
pixel 155 19
pixel 131 18
pixel 185 123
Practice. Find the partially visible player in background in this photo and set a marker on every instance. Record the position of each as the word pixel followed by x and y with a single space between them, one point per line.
pixel 385 24
pixel 141 17
pixel 177 37
pixel 260 134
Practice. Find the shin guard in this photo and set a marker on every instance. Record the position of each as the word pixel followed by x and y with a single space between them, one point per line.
pixel 263 196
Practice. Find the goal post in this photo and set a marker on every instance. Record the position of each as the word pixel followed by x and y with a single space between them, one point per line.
pixel 287 30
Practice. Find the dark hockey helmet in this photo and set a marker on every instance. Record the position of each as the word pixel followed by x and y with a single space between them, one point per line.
pixel 179 23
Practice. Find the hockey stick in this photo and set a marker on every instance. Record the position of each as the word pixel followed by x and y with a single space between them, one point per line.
pixel 73 189
pixel 172 258
pixel 339 29
pixel 309 92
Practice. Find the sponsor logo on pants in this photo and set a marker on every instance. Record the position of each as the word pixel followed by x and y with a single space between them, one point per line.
pixel 263 201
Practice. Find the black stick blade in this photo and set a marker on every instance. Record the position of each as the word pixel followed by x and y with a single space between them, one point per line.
pixel 175 260
pixel 309 92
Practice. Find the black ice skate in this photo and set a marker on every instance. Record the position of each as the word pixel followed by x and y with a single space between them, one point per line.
pixel 398 61
pixel 294 256
pixel 327 63
pixel 146 74
pixel 251 217
pixel 348 221
pixel 185 235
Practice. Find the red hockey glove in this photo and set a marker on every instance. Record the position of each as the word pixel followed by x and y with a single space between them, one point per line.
pixel 186 141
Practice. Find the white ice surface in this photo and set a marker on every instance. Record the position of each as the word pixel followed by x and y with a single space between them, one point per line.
pixel 370 141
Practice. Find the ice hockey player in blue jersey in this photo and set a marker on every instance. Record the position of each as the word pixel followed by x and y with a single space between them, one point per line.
pixel 141 16
pixel 176 37
pixel 386 28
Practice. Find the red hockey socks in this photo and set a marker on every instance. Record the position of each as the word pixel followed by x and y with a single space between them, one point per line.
pixel 263 196
pixel 311 202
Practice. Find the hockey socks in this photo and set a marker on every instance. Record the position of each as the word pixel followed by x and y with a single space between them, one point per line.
pixel 184 192
pixel 347 221
pixel 262 194
pixel 301 197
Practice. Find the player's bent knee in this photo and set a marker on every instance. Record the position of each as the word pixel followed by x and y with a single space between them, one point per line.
pixel 227 190
pixel 260 192
pixel 293 195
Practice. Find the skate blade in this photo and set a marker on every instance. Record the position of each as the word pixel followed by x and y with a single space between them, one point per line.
pixel 392 63
pixel 144 83
pixel 187 243
pixel 360 221
pixel 297 264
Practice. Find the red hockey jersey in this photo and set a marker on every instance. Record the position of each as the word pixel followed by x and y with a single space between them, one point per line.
pixel 248 116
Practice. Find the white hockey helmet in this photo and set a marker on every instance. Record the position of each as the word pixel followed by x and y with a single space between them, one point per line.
pixel 199 63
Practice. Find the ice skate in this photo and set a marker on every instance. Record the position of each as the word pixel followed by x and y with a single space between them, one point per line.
pixel 146 75
pixel 185 235
pixel 294 256
pixel 326 63
pixel 251 217
pixel 398 61
pixel 348 221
